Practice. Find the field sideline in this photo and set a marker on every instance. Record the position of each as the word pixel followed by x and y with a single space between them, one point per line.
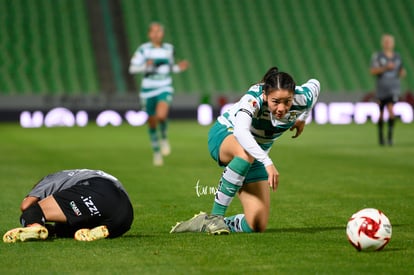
pixel 327 174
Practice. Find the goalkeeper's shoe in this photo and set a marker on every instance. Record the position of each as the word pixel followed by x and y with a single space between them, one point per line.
pixel 23 234
pixel 202 223
pixel 88 235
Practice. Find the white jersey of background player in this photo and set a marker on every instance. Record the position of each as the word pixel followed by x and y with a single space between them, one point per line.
pixel 157 76
pixel 155 59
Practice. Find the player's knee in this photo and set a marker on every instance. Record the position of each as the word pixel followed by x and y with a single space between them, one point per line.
pixel 31 215
pixel 162 114
pixel 259 226
pixel 152 122
pixel 258 223
pixel 244 155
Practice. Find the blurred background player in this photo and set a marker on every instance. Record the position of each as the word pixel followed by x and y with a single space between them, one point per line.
pixel 155 59
pixel 85 204
pixel 240 140
pixel 387 66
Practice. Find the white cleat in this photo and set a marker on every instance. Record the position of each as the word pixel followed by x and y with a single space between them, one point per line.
pixel 195 224
pixel 158 160
pixel 165 147
pixel 202 222
pixel 217 226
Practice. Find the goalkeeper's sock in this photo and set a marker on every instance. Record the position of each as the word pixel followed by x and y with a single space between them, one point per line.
pixel 391 123
pixel 33 215
pixel 238 223
pixel 231 181
pixel 380 132
pixel 154 139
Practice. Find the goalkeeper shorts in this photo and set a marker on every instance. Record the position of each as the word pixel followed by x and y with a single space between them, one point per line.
pixel 96 202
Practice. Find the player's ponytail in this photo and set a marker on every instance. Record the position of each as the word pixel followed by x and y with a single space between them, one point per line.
pixel 270 73
pixel 275 80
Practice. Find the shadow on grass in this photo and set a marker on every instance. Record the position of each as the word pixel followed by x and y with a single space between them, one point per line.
pixel 305 229
pixel 313 229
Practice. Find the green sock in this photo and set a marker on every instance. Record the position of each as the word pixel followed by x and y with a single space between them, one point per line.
pixel 238 223
pixel 231 181
pixel 163 128
pixel 154 139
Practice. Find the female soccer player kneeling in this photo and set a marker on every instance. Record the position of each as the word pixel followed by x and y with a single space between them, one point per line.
pixel 240 141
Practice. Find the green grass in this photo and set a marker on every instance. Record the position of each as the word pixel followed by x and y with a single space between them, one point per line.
pixel 326 175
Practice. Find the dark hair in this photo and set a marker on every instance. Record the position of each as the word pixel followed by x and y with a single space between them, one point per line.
pixel 275 80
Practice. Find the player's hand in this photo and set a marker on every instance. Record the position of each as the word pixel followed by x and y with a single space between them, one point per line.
pixel 298 126
pixel 183 65
pixel 273 176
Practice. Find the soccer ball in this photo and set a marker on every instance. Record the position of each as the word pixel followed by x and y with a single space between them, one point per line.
pixel 369 229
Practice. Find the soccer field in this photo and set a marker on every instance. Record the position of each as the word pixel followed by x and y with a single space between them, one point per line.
pixel 326 175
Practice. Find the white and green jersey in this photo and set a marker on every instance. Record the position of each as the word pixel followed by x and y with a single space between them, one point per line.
pixel 157 77
pixel 255 127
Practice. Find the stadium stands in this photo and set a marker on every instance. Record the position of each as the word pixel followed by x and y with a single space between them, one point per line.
pixel 45 45
pixel 231 43
pixel 45 48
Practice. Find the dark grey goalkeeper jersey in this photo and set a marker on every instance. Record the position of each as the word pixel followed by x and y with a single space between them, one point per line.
pixel 64 179
pixel 388 83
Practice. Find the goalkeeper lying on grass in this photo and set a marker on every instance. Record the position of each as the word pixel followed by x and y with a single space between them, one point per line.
pixel 85 204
